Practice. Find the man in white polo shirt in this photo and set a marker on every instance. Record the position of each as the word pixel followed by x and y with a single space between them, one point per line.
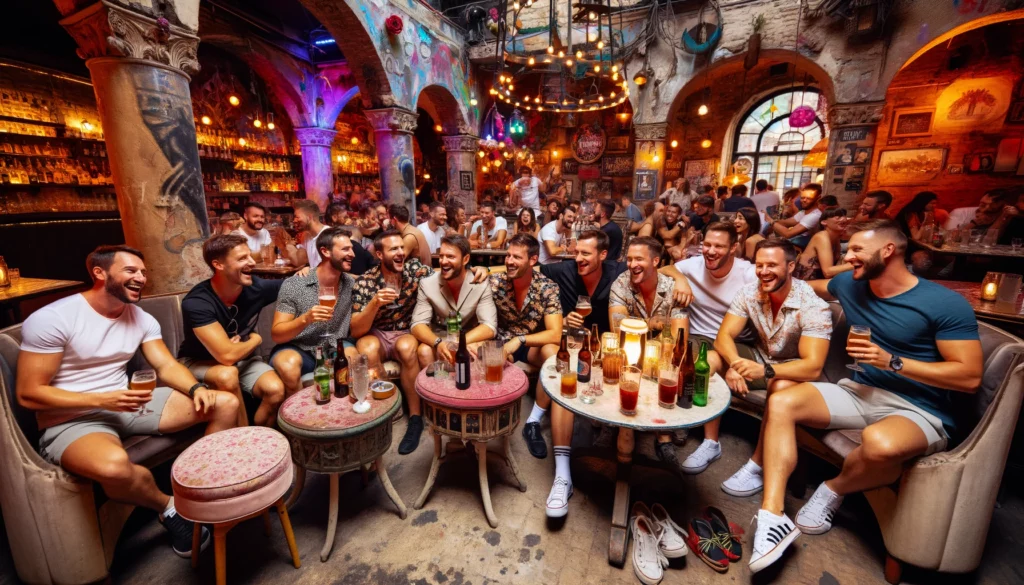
pixel 433 229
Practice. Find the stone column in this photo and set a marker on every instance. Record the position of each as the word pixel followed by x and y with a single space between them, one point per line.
pixel 461 151
pixel 650 156
pixel 392 130
pixel 316 163
pixel 851 124
pixel 139 67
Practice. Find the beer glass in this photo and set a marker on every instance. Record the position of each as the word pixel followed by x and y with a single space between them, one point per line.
pixel 568 387
pixel 859 332
pixel 396 286
pixel 327 296
pixel 143 380
pixel 494 361
pixel 583 306
pixel 629 390
pixel 611 364
pixel 668 385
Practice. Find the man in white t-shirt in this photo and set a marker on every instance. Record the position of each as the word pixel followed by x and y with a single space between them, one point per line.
pixel 306 222
pixel 529 188
pixel 799 228
pixel 554 237
pixel 254 216
pixel 433 228
pixel 715 278
pixel 763 198
pixel 496 227
pixel 72 370
pixel 985 215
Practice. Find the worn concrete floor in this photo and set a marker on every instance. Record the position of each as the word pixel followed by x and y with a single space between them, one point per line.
pixel 448 542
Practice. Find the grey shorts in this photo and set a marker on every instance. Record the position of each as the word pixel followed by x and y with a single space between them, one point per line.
pixel 855 406
pixel 249 370
pixel 746 351
pixel 56 439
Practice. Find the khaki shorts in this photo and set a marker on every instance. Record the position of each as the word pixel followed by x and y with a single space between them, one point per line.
pixel 855 406
pixel 249 370
pixel 747 352
pixel 56 439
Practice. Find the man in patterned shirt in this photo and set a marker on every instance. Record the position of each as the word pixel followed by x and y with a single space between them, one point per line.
pixel 793 328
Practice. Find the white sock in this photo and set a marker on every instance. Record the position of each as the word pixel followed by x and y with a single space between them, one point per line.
pixel 828 490
pixel 562 463
pixel 754 467
pixel 709 441
pixel 536 414
pixel 169 511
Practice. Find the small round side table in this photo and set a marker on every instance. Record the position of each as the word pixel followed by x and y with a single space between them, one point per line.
pixel 478 414
pixel 334 439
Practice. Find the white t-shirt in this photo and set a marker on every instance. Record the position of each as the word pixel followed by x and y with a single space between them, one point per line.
pixel 256 243
pixel 312 254
pixel 712 296
pixel 960 217
pixel 96 349
pixel 499 224
pixel 673 195
pixel 433 238
pixel 808 220
pixel 530 194
pixel 548 233
pixel 765 200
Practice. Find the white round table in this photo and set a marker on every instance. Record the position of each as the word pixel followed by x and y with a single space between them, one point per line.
pixel 649 417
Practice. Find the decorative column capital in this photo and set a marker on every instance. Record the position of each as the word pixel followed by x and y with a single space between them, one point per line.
pixel 314 136
pixel 392 120
pixel 651 131
pixel 105 29
pixel 461 143
pixel 858 114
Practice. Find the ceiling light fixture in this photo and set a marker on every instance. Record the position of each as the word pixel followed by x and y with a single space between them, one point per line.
pixel 233 100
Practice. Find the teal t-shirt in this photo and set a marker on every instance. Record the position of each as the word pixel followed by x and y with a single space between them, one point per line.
pixel 908 325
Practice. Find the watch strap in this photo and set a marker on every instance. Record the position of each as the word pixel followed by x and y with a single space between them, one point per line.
pixel 196 386
pixel 437 342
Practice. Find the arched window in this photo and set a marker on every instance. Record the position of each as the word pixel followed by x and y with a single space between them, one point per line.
pixel 767 147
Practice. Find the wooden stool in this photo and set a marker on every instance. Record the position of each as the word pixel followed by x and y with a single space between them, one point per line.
pixel 229 477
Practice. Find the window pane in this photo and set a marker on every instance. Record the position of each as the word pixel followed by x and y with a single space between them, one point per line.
pixel 751 125
pixel 747 143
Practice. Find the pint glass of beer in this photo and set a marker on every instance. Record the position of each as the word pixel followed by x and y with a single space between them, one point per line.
pixel 327 296
pixel 143 380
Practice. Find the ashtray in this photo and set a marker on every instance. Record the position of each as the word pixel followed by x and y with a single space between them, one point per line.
pixel 382 389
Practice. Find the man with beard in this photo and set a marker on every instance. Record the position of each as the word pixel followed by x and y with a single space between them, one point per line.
pixel 924 348
pixel 496 228
pixel 306 222
pixel 714 279
pixel 254 216
pixel 673 228
pixel 799 228
pixel 413 241
pixel 875 206
pixel 433 229
pixel 988 212
pixel 793 330
pixel 450 292
pixel 603 212
pixel 72 370
pixel 301 323
pixel 526 190
pixel 555 236
pixel 220 317
pixel 703 213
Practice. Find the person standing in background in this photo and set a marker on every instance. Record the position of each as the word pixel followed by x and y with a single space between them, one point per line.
pixel 763 198
pixel 528 189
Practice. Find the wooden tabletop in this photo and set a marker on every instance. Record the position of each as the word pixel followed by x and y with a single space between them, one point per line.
pixel 26 288
pixel 959 249
pixel 993 310
pixel 264 270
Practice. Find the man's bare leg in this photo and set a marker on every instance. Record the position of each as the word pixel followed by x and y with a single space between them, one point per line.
pixel 226 378
pixel 801 404
pixel 101 458
pixel 271 391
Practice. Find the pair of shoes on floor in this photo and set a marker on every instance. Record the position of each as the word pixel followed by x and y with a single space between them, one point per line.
pixel 715 540
pixel 656 538
pixel 775 533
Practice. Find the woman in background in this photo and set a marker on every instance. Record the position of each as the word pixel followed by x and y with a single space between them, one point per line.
pixel 822 257
pixel 911 217
pixel 748 226
pixel 526 223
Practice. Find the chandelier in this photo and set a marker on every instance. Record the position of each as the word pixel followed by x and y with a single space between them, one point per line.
pixel 580 70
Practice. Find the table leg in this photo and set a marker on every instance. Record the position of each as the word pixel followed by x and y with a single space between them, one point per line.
pixel 619 537
pixel 297 485
pixel 332 520
pixel 512 464
pixel 485 489
pixel 382 472
pixel 434 465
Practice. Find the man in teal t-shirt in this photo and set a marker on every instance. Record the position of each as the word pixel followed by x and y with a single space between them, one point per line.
pixel 923 346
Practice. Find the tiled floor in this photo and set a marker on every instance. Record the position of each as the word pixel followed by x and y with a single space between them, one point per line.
pixel 448 542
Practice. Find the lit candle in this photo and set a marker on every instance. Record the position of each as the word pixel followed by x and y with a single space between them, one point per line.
pixel 988 292
pixel 633 331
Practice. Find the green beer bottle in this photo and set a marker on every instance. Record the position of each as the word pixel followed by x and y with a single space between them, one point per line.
pixel 701 376
pixel 322 378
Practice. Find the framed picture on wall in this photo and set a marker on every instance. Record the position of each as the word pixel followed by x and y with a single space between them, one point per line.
pixel 618 143
pixel 591 188
pixel 913 166
pixel 542 157
pixel 570 167
pixel 616 165
pixel 570 188
pixel 646 184
pixel 912 122
pixel 466 180
pixel 979 162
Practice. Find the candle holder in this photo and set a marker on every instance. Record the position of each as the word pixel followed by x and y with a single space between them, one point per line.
pixel 5 274
pixel 990 286
pixel 632 337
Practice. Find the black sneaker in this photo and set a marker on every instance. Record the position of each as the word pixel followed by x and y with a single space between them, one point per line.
pixel 411 440
pixel 534 442
pixel 667 454
pixel 181 535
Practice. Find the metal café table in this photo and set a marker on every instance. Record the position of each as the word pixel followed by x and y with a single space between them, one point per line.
pixel 649 417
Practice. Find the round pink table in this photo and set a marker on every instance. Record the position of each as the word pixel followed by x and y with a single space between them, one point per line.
pixel 334 439
pixel 475 415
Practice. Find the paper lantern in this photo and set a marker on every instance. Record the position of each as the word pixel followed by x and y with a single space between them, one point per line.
pixel 802 117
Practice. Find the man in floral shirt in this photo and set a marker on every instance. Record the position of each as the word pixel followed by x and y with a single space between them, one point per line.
pixel 793 330
pixel 529 312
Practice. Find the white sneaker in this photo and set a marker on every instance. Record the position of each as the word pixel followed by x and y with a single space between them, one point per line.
pixel 558 498
pixel 749 480
pixel 673 536
pixel 816 515
pixel 648 561
pixel 773 536
pixel 708 452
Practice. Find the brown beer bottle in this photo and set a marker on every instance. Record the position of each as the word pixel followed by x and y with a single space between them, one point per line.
pixel 562 357
pixel 341 372
pixel 685 397
pixel 595 343
pixel 680 350
pixel 585 362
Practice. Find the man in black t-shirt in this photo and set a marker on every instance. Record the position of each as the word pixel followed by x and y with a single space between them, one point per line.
pixel 220 314
pixel 603 212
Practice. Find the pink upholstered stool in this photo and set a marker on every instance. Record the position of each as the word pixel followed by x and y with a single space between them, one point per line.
pixel 229 477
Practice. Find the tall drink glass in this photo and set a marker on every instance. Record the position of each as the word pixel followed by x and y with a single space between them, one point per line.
pixel 611 365
pixel 629 390
pixel 143 380
pixel 668 385
pixel 327 296
pixel 858 332
pixel 494 362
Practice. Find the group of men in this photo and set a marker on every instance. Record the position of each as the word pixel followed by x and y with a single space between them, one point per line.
pixel 769 332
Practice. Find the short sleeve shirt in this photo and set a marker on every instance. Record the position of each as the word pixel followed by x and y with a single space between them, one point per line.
pixel 530 193
pixel 802 314
pixel 299 294
pixel 548 233
pixel 499 224
pixel 624 295
pixel 256 242
pixel 433 238
pixel 372 280
pixel 202 307
pixel 312 254
pixel 808 220
pixel 908 325
pixel 541 301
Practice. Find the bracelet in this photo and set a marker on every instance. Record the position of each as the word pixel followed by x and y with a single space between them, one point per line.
pixel 196 386
pixel 437 342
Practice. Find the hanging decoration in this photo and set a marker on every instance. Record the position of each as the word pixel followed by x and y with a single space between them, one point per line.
pixel 394 25
pixel 817 158
pixel 703 37
pixel 802 116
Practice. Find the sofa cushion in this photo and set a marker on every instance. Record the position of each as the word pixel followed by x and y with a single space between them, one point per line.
pixel 10 342
pixel 1000 350
pixel 152 450
pixel 835 364
pixel 842 442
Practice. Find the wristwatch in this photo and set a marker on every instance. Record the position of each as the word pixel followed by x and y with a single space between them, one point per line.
pixel 895 363
pixel 769 372
pixel 437 342
pixel 196 386
pixel 522 340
